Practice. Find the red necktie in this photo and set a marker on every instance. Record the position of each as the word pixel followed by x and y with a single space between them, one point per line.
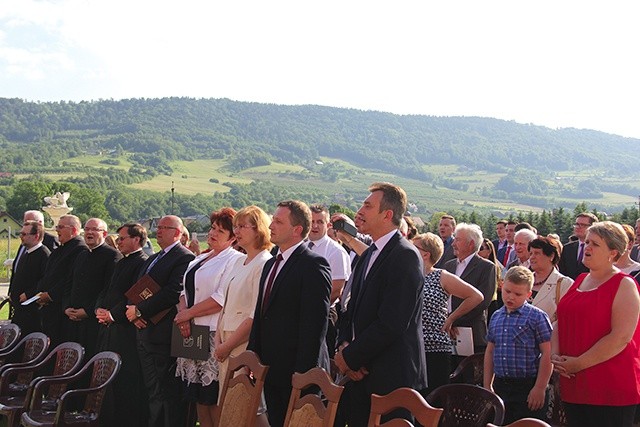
pixel 270 280
pixel 506 256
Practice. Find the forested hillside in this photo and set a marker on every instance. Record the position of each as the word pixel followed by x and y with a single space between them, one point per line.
pixel 150 135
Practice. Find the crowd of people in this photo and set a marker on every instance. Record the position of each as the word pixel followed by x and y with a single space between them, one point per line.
pixel 385 302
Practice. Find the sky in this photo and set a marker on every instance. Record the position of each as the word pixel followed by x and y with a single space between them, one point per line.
pixel 551 63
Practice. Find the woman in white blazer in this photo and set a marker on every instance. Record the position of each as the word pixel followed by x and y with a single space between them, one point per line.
pixel 549 285
pixel 202 299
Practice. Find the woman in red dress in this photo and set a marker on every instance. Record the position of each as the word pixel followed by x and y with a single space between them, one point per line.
pixel 596 344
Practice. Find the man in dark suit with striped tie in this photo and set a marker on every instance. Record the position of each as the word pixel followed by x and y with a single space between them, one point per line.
pixel 570 263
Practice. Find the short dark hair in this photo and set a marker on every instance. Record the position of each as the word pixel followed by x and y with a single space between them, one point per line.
pixel 394 199
pixel 450 218
pixel 135 230
pixel 299 214
pixel 412 230
pixel 511 222
pixel 223 218
pixel 522 226
pixel 502 221
pixel 549 247
pixel 591 217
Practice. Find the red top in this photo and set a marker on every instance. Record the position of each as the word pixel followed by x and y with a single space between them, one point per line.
pixel 584 318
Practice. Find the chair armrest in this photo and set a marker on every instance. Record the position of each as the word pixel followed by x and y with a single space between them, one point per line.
pixel 39 383
pixel 76 392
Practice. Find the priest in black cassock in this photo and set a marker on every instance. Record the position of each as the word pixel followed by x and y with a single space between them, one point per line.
pixel 28 268
pixel 92 272
pixel 116 333
pixel 55 286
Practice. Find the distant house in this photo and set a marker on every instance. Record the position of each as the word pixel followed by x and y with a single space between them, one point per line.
pixel 8 224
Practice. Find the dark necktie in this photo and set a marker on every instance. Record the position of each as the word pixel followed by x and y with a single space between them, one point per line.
pixel 581 252
pixel 155 260
pixel 358 283
pixel 270 280
pixel 311 245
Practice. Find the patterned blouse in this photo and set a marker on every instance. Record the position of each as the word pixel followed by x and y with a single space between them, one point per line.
pixel 434 314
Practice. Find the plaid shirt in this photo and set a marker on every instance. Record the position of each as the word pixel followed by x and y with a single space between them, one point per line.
pixel 517 337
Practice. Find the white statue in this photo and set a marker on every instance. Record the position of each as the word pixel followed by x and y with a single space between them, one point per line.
pixel 58 201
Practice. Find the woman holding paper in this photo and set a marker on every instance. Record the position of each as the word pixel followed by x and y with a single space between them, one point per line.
pixel 201 300
pixel 436 322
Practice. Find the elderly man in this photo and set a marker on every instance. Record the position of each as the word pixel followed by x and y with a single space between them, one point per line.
pixel 478 272
pixel 27 271
pixel 55 286
pixel 521 240
pixel 166 268
pixel 49 241
pixel 91 273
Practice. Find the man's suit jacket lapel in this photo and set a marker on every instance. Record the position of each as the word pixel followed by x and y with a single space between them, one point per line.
pixel 377 264
pixel 473 263
pixel 282 274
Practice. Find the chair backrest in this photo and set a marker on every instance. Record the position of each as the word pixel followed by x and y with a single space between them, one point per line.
pixel 310 410
pixel 68 359
pixel 106 365
pixel 241 396
pixel 470 370
pixel 467 405
pixel 31 349
pixel 7 301
pixel 9 335
pixel 525 422
pixel 405 398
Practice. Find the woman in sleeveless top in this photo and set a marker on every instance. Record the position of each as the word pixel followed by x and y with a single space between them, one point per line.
pixel 596 345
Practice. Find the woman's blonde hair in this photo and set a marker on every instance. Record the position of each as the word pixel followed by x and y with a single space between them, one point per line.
pixel 431 243
pixel 613 235
pixel 260 220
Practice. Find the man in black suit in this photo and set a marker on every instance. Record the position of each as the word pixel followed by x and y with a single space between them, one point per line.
pixel 49 241
pixel 381 340
pixel 506 254
pixel 92 271
pixel 166 268
pixel 55 286
pixel 501 232
pixel 445 229
pixel 116 333
pixel 478 272
pixel 28 269
pixel 570 263
pixel 290 320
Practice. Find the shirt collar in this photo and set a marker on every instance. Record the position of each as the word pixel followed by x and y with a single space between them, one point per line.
pixel 286 254
pixel 382 241
pixel 34 248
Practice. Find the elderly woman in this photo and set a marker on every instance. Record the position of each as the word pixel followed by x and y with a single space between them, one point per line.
pixel 596 345
pixel 200 302
pixel 436 322
pixel 625 263
pixel 549 286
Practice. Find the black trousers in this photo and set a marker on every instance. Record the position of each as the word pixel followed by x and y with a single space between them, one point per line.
pixel 514 392
pixel 167 408
pixel 277 399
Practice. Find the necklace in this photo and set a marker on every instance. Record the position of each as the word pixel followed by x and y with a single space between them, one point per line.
pixel 540 282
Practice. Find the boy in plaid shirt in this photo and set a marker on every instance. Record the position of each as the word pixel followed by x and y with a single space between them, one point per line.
pixel 517 362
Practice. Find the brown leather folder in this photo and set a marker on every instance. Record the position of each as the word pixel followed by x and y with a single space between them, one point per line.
pixel 144 289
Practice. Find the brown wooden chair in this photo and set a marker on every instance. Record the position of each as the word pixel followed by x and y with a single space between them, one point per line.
pixel 406 398
pixel 80 405
pixel 242 392
pixel 17 383
pixel 524 422
pixel 467 405
pixel 29 351
pixel 470 370
pixel 310 410
pixel 9 336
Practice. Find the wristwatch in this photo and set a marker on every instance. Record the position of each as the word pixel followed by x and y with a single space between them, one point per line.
pixel 138 314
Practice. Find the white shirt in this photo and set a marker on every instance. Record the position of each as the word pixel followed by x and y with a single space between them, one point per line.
pixel 335 255
pixel 461 265
pixel 380 244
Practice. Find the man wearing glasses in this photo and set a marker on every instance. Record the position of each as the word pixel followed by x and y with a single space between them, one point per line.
pixel 28 269
pixel 571 259
pixel 92 271
pixel 55 287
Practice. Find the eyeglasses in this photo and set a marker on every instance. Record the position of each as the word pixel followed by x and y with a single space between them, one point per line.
pixel 27 234
pixel 247 226
pixel 484 248
pixel 581 225
pixel 60 227
pixel 166 227
pixel 119 238
pixel 93 229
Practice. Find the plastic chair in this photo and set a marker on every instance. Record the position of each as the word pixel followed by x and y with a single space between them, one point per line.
pixel 470 370
pixel 241 396
pixel 406 398
pixel 17 383
pixel 524 422
pixel 9 336
pixel 30 350
pixel 78 406
pixel 309 410
pixel 467 405
pixel 4 302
